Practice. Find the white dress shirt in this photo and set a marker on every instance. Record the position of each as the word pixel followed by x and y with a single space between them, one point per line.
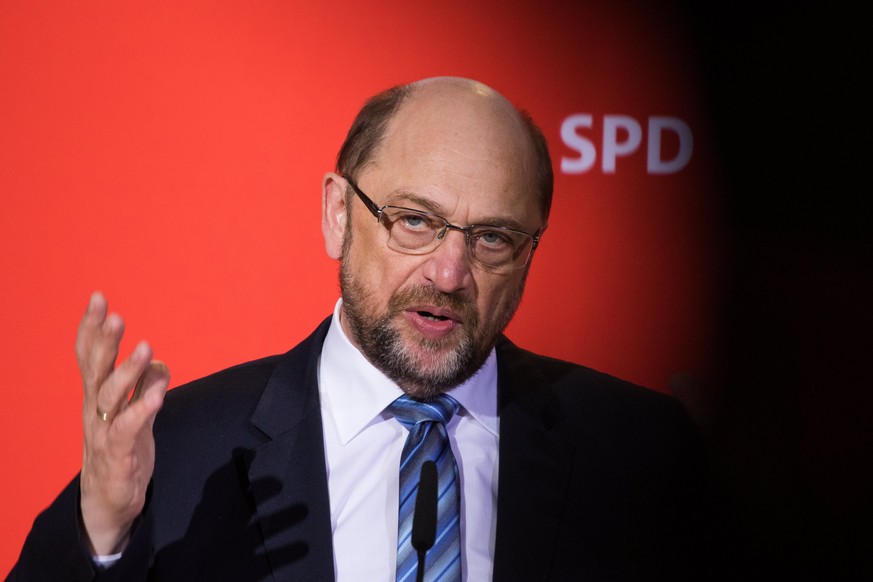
pixel 362 444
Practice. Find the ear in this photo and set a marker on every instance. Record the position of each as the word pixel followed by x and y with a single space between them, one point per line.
pixel 333 214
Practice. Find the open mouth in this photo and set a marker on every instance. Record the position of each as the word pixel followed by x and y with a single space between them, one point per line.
pixel 432 321
pixel 431 316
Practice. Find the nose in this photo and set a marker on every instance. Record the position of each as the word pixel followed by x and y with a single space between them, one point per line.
pixel 448 266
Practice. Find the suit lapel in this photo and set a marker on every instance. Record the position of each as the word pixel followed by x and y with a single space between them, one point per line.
pixel 287 474
pixel 535 467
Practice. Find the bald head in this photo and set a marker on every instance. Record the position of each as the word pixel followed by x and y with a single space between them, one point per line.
pixel 449 114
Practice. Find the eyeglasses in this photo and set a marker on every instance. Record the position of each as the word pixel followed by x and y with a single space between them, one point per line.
pixel 416 232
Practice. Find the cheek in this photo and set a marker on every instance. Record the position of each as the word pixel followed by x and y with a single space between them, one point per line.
pixel 496 297
pixel 364 255
pixel 379 269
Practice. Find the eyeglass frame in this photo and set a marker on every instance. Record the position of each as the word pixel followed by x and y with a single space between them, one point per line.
pixel 378 211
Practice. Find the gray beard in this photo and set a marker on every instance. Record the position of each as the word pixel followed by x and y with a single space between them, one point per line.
pixel 381 342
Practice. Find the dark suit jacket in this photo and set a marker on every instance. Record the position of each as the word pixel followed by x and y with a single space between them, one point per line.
pixel 599 480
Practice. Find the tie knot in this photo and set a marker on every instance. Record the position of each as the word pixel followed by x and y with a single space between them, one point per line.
pixel 409 411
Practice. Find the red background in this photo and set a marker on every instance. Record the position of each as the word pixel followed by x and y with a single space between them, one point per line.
pixel 170 155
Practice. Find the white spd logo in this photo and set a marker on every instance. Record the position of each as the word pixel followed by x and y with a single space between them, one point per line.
pixel 622 136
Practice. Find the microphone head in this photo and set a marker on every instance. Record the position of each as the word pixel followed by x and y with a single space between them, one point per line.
pixel 424 519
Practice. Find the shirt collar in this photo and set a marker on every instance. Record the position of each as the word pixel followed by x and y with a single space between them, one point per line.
pixel 355 393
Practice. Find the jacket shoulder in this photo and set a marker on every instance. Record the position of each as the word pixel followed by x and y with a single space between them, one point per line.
pixel 222 390
pixel 235 392
pixel 579 400
pixel 530 372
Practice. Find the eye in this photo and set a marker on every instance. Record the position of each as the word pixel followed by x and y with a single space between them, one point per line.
pixel 413 221
pixel 409 222
pixel 493 239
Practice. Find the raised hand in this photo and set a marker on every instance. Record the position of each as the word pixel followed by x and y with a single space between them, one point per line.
pixel 119 448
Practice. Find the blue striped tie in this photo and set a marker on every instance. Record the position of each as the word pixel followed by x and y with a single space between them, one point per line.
pixel 428 440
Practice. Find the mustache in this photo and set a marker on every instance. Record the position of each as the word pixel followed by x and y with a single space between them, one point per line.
pixel 419 294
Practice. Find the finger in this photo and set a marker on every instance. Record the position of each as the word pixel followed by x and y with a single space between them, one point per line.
pixel 98 346
pixel 144 405
pixel 155 375
pixel 90 324
pixel 113 392
pixel 100 359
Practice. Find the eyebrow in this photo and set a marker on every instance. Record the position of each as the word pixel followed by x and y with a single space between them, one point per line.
pixel 403 196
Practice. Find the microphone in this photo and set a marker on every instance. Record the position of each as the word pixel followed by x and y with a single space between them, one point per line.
pixel 424 519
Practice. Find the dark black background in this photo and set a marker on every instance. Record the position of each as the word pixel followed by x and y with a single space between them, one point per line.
pixel 790 422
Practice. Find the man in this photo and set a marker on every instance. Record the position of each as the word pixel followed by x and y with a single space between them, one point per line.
pixel 287 468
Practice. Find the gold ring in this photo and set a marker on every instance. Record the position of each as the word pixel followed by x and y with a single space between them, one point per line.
pixel 104 416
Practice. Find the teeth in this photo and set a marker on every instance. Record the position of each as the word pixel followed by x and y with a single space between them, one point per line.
pixel 432 316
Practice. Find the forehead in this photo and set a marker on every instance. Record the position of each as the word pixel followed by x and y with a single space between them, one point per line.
pixel 462 149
